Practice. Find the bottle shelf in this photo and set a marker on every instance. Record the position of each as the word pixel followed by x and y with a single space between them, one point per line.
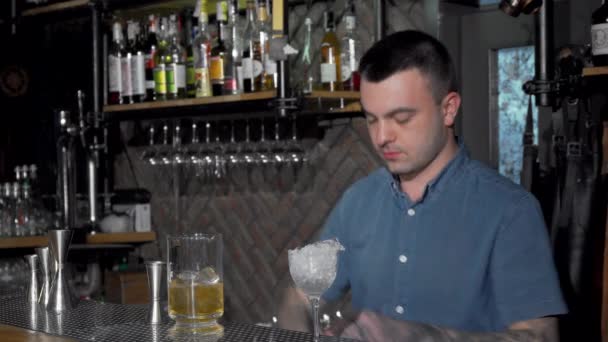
pixel 128 7
pixel 136 8
pixel 110 238
pixel 245 105
pixel 100 238
pixel 56 7
pixel 23 242
pixel 342 94
pixel 266 95
pixel 595 71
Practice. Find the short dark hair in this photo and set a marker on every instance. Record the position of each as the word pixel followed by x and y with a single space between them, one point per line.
pixel 410 49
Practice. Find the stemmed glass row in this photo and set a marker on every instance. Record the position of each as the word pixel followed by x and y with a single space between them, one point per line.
pixel 219 153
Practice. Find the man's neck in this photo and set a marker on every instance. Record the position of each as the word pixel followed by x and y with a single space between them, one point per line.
pixel 414 186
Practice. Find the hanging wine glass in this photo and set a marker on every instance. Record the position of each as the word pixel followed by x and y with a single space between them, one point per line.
pixel 150 152
pixel 164 154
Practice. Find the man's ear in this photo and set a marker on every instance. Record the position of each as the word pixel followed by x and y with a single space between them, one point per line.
pixel 449 108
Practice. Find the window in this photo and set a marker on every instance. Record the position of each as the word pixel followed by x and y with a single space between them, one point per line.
pixel 514 66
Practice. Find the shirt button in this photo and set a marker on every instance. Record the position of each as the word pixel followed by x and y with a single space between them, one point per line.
pixel 402 259
pixel 411 212
pixel 399 309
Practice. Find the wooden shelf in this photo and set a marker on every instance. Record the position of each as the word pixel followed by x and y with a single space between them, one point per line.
pixel 351 107
pixel 346 95
pixel 23 242
pixel 133 237
pixel 101 238
pixel 126 8
pixel 227 99
pixel 265 95
pixel 133 8
pixel 56 7
pixel 595 71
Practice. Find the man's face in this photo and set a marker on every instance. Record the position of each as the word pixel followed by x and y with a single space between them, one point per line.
pixel 407 126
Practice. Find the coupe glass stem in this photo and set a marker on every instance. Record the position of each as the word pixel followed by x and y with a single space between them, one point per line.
pixel 314 302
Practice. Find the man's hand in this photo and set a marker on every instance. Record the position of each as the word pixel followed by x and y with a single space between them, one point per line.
pixel 373 327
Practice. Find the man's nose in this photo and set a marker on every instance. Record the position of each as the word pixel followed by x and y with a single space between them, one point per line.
pixel 385 133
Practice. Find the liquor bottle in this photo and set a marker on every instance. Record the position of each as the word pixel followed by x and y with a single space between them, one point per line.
pixel 151 51
pixel 138 67
pixel 175 63
pixel 188 39
pixel 19 215
pixel 599 35
pixel 23 207
pixel 201 71
pixel 41 218
pixel 125 63
pixel 350 49
pixel 34 178
pixel 232 68
pixel 21 174
pixel 201 52
pixel 307 80
pixel 114 65
pixel 4 213
pixel 330 55
pixel 8 219
pixel 252 53
pixel 218 52
pixel 160 76
pixel 204 31
pixel 265 29
pixel 237 48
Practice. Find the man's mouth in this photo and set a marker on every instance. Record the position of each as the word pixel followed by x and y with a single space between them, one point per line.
pixel 390 155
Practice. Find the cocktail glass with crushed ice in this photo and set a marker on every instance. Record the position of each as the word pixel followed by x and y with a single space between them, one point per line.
pixel 196 282
pixel 313 269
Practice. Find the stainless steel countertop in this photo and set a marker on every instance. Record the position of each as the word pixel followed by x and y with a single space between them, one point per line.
pixel 95 321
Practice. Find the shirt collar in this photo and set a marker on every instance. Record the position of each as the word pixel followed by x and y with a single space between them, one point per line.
pixel 444 178
pixel 450 171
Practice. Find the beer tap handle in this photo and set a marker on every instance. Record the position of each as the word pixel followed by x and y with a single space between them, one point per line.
pixel 82 124
pixel 194 133
pixel 151 135
pixel 165 134
pixel 177 135
pixel 208 132
pixel 80 102
pixel 17 173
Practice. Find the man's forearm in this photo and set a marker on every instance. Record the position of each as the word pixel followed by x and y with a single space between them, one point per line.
pixel 372 327
pixel 424 332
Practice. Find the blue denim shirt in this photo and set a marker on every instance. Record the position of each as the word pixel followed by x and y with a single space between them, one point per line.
pixel 472 254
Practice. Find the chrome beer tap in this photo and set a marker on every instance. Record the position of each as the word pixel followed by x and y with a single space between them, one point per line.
pixel 66 182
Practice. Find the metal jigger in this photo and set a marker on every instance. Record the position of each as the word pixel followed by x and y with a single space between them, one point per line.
pixel 156 315
pixel 44 259
pixel 61 297
pixel 32 290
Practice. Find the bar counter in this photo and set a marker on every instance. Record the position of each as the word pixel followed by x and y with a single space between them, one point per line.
pixel 95 321
pixel 9 333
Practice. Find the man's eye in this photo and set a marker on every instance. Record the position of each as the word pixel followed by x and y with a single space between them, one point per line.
pixel 402 118
pixel 370 119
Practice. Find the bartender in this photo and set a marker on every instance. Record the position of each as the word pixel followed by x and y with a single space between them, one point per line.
pixel 439 247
